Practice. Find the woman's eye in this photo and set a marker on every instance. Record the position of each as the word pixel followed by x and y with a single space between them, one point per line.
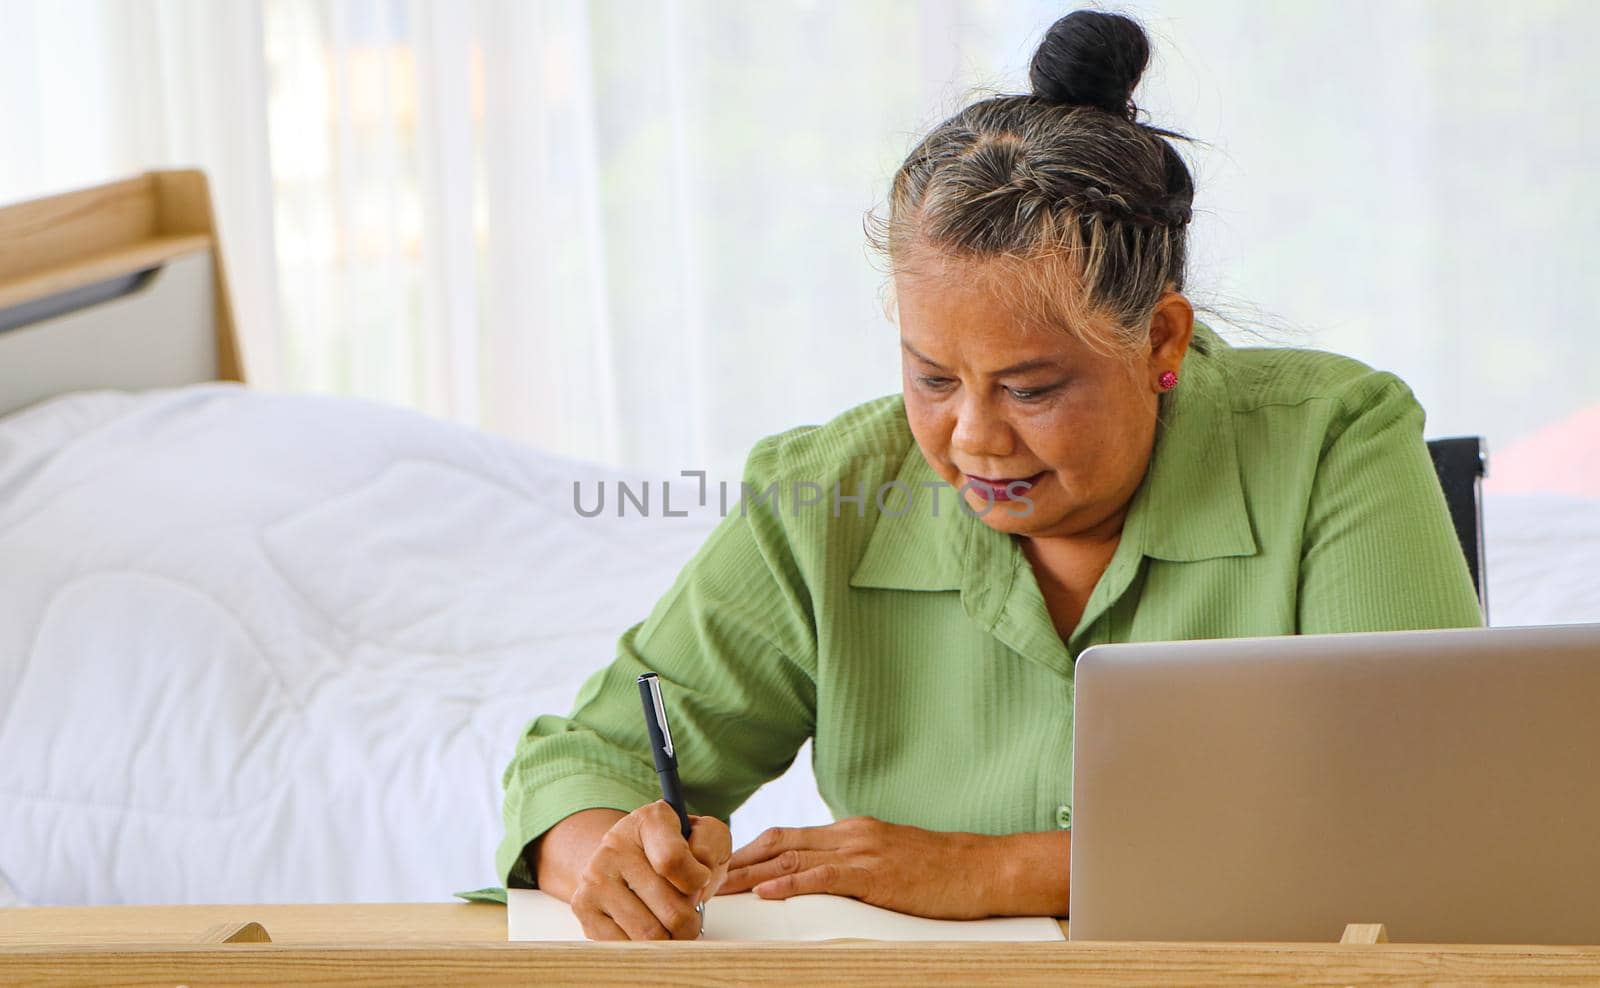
pixel 1030 394
pixel 934 383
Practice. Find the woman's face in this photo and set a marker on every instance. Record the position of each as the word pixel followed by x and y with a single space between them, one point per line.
pixel 993 404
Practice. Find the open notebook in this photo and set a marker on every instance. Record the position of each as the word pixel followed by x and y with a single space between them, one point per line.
pixel 533 915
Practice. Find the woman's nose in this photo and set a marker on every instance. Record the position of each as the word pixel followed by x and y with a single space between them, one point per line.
pixel 981 432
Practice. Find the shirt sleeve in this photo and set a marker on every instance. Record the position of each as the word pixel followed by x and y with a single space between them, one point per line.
pixel 1380 553
pixel 734 643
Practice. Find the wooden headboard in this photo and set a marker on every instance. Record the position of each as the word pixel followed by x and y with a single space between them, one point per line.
pixel 118 286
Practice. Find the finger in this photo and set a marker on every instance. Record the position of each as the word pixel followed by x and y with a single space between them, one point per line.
pixel 771 842
pixel 828 879
pixel 586 905
pixel 714 887
pixel 788 862
pixel 598 926
pixel 671 908
pixel 668 853
pixel 633 916
pixel 710 841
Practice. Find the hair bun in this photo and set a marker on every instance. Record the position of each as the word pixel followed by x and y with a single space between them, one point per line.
pixel 1090 58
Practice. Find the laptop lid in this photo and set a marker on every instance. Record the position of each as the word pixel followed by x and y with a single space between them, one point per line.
pixel 1445 783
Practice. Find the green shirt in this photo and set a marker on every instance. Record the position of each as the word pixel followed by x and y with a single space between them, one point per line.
pixel 1288 492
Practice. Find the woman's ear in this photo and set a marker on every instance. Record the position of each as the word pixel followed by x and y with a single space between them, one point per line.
pixel 1171 327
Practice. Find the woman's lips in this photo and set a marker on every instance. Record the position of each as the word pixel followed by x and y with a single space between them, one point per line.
pixel 997 489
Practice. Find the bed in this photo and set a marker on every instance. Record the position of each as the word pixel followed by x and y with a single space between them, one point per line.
pixel 278 648
pixel 259 647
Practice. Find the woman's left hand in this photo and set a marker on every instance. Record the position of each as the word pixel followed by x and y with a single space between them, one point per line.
pixel 907 869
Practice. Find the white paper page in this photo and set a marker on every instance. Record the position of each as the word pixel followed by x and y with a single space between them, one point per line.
pixel 747 916
pixel 533 915
pixel 832 917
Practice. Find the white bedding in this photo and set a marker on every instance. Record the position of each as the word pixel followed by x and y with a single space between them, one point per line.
pixel 270 648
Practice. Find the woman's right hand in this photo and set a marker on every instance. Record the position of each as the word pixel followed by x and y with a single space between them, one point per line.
pixel 644 879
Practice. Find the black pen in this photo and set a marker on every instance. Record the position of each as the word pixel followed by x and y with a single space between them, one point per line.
pixel 655 724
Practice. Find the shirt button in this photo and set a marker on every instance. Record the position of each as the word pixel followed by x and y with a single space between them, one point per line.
pixel 1064 817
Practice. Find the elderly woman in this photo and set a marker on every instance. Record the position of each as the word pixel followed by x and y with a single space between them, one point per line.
pixel 1072 460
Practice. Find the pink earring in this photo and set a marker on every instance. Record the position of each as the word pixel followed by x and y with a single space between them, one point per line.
pixel 1168 380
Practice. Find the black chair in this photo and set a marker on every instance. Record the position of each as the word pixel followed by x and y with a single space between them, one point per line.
pixel 1461 463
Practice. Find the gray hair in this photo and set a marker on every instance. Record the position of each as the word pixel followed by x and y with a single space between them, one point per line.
pixel 1079 209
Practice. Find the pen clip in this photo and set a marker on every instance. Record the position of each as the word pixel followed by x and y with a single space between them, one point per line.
pixel 661 715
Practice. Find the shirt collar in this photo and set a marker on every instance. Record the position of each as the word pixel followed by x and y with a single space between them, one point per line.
pixel 1190 507
pixel 923 547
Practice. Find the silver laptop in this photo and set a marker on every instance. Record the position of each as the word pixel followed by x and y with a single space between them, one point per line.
pixel 1444 783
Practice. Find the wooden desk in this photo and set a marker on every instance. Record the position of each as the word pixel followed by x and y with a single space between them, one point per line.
pixel 446 944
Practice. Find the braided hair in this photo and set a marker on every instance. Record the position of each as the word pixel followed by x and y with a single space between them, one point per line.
pixel 1063 186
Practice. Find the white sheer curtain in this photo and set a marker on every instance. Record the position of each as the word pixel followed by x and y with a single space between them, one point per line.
pixel 628 232
pixel 631 232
